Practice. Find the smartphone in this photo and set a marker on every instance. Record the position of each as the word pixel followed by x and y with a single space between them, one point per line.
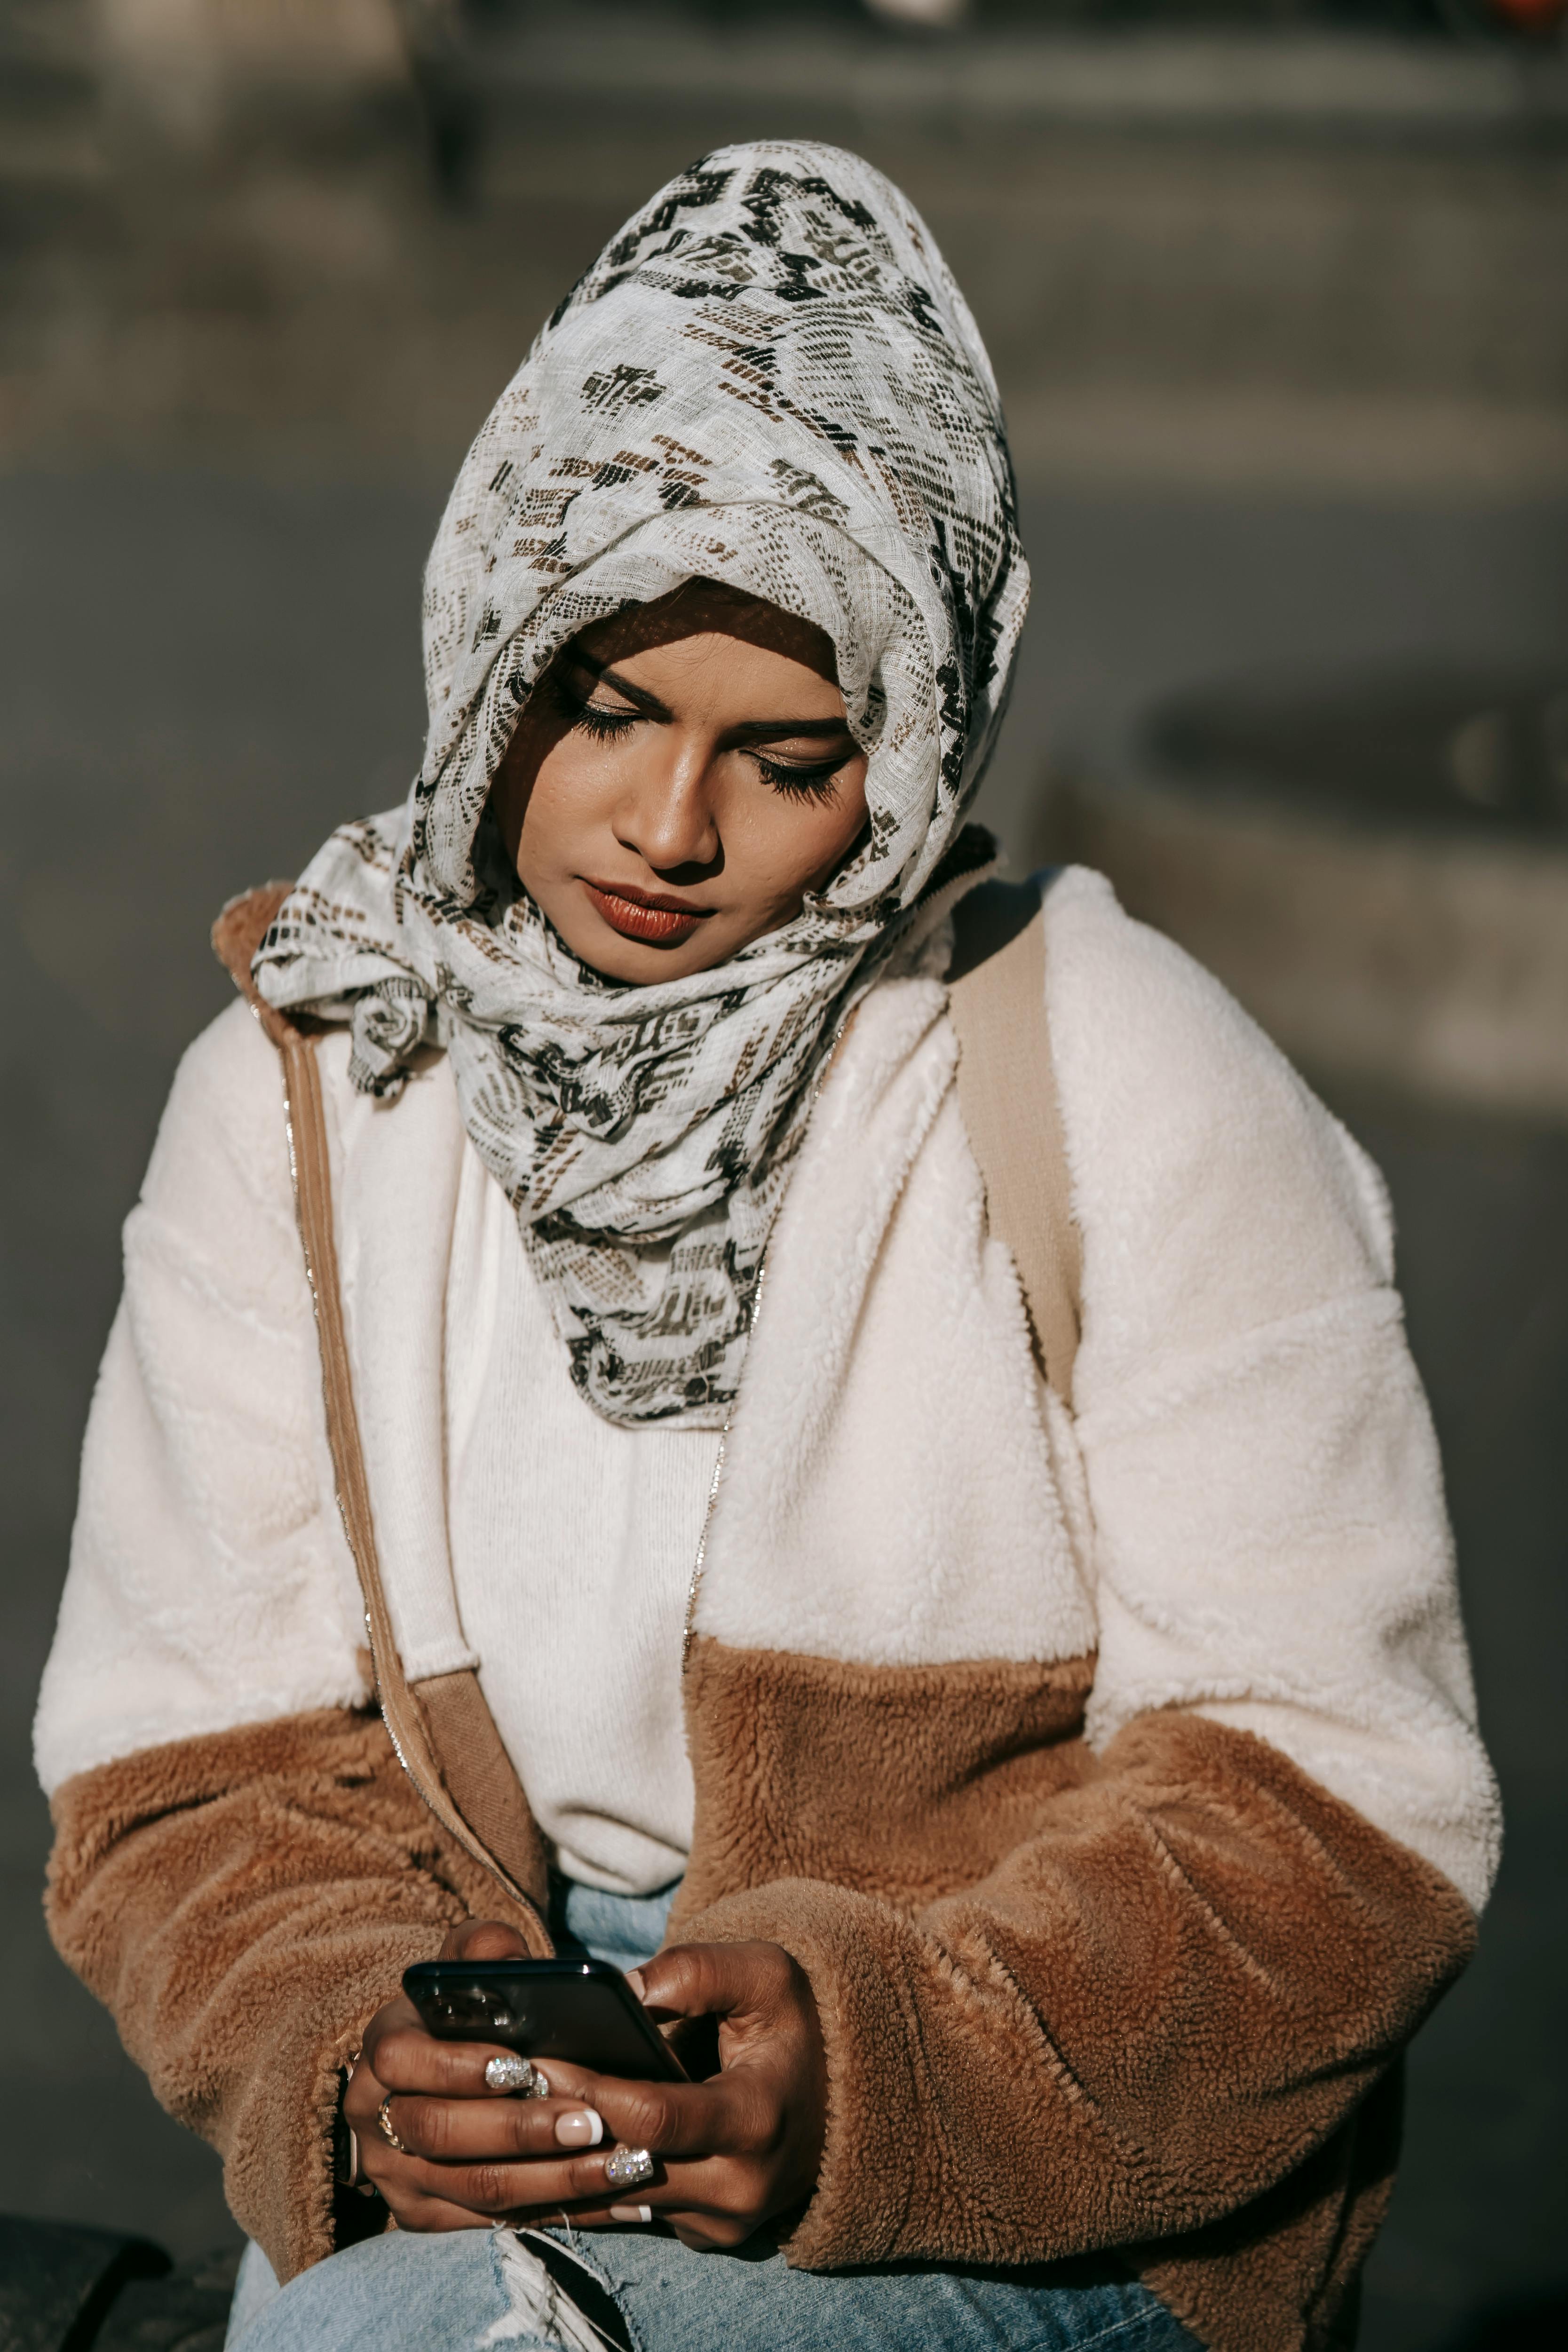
pixel 580 2010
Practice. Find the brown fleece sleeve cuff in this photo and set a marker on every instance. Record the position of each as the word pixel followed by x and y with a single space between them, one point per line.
pixel 1151 2012
pixel 243 1904
pixel 849 1946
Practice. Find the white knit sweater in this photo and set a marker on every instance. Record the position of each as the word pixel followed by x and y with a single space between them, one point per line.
pixel 573 1545
pixel 1243 1517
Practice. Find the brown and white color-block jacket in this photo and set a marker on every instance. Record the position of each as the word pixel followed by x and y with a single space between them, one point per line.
pixel 1111 1770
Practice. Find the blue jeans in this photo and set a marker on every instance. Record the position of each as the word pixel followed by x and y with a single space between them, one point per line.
pixel 559 2290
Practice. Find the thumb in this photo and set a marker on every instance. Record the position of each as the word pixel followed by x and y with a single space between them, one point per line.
pixel 714 1980
pixel 483 1939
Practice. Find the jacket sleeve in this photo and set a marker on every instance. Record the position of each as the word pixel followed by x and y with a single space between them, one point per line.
pixel 241 1871
pixel 209 1582
pixel 1151 2012
pixel 243 1903
pixel 1214 1940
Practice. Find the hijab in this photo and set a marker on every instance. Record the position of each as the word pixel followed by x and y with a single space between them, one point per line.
pixel 768 379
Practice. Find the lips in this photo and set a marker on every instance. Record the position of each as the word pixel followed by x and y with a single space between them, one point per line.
pixel 643 915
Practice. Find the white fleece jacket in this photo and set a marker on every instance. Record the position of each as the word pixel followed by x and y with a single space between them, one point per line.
pixel 1244 1514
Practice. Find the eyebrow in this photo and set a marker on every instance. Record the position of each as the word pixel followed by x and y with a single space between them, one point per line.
pixel 763 730
pixel 644 701
pixel 752 731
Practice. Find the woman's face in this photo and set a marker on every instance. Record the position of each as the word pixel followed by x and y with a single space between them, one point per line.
pixel 680 777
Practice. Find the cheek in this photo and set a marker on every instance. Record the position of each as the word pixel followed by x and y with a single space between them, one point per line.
pixel 779 848
pixel 562 799
pixel 832 830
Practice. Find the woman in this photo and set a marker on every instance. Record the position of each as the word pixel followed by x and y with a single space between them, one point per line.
pixel 1063 1793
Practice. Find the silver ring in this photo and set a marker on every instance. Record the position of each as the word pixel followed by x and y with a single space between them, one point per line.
pixel 384 2120
pixel 510 2074
pixel 628 2168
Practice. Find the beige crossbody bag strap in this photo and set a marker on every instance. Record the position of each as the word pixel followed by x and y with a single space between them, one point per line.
pixel 443 1731
pixel 1008 1093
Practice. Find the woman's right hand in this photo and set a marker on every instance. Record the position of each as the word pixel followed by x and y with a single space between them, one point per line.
pixel 474 2148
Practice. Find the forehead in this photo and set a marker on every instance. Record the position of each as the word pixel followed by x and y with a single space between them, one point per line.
pixel 706 609
pixel 720 673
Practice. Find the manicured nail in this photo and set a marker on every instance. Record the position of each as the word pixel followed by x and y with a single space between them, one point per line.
pixel 634 1978
pixel 628 2168
pixel 631 2212
pixel 510 2074
pixel 583 2127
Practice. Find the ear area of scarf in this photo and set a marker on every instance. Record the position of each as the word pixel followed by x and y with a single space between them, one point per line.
pixel 242 924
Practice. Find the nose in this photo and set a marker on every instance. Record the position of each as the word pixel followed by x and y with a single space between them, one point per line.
pixel 667 813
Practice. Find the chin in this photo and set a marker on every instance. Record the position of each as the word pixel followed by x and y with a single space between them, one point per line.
pixel 612 954
pixel 632 961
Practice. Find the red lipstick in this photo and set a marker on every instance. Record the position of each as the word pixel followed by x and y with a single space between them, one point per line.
pixel 645 915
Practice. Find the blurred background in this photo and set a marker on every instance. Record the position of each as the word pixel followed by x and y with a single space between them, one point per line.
pixel 1278 294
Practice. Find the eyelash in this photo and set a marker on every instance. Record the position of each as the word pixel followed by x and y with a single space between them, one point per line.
pixel 796 783
pixel 605 726
pixel 799 783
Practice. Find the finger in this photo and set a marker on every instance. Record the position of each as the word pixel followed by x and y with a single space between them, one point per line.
pixel 735 2114
pixel 704 2232
pixel 483 1939
pixel 499 2190
pixel 719 2202
pixel 470 2131
pixel 558 2087
pixel 408 2059
pixel 727 2197
pixel 398 2016
pixel 362 2093
pixel 412 2210
pixel 710 2236
pixel 717 1980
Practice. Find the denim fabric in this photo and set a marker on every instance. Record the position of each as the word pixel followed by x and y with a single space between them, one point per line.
pixel 418 2294
pixel 425 2294
pixel 626 1929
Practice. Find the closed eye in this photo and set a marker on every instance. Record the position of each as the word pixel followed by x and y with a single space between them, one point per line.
pixel 605 724
pixel 796 779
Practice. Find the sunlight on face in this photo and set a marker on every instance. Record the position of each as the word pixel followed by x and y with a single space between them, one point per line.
pixel 681 776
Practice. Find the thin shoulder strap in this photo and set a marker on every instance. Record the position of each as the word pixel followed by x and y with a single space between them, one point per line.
pixel 1007 1092
pixel 494 1790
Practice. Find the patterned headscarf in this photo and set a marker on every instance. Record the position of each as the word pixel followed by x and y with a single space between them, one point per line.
pixel 768 379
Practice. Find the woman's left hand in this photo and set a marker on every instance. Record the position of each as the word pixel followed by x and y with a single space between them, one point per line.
pixel 729 2153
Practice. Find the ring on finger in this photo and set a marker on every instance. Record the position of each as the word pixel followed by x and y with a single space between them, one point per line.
pixel 384 2120
pixel 512 2073
pixel 628 2168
